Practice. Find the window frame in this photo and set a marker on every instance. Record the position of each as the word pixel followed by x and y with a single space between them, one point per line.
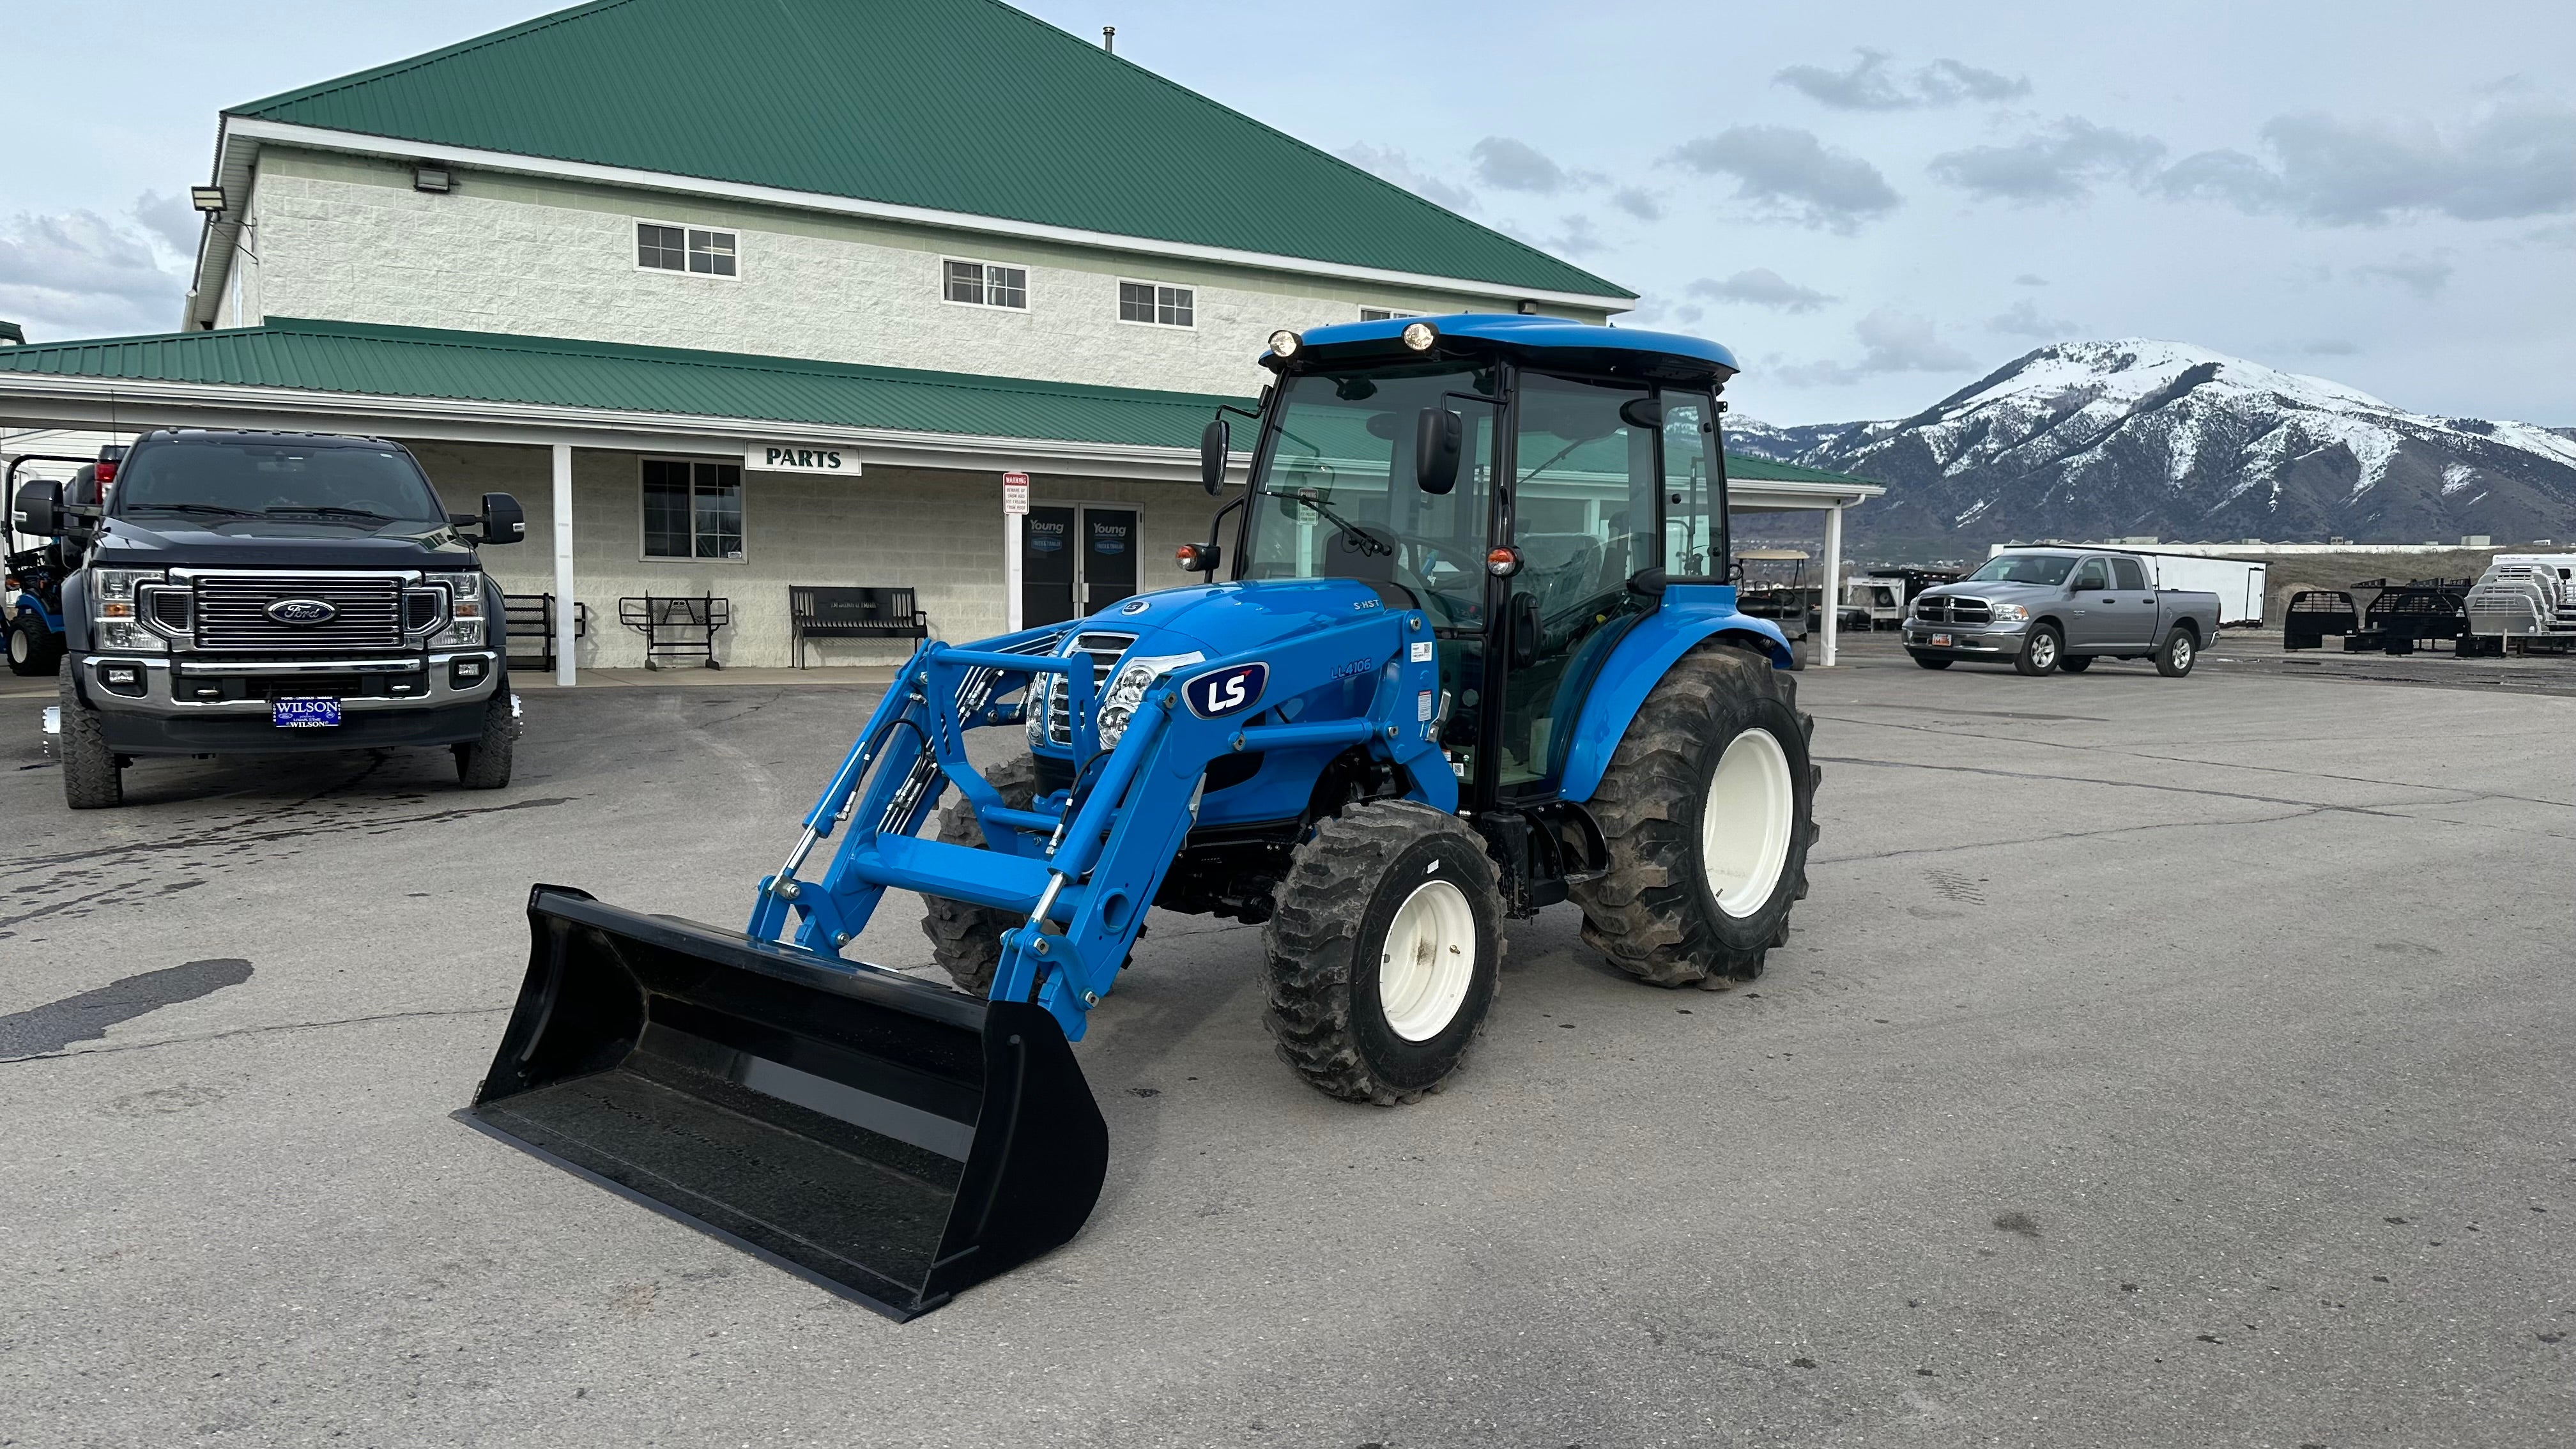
pixel 1159 289
pixel 1388 314
pixel 693 462
pixel 1027 302
pixel 684 228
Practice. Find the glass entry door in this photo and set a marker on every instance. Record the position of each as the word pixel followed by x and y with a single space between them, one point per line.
pixel 1075 560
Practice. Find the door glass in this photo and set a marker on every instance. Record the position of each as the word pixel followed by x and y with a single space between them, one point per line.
pixel 1694 503
pixel 2128 573
pixel 1108 557
pixel 1583 517
pixel 1046 567
pixel 2091 575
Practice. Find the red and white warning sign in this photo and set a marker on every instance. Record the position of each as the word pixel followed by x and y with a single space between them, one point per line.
pixel 1015 493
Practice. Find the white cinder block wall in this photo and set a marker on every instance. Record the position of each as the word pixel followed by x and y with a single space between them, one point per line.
pixel 938 531
pixel 347 239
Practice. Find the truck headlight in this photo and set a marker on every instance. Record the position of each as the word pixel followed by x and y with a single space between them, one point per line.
pixel 1127 691
pixel 2010 613
pixel 113 605
pixel 465 621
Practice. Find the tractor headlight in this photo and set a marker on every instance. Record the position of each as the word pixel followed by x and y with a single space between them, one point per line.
pixel 1127 691
pixel 1038 708
pixel 1284 343
pixel 1420 335
pixel 465 621
pixel 2010 613
pixel 113 604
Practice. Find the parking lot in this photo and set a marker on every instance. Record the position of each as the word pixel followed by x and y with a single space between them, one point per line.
pixel 2154 1062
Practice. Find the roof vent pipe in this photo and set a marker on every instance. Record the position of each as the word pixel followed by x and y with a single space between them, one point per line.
pixel 1109 39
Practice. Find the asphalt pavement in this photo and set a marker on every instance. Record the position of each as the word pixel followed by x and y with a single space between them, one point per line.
pixel 2154 1062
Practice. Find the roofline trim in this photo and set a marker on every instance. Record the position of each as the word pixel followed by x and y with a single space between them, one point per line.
pixel 250 132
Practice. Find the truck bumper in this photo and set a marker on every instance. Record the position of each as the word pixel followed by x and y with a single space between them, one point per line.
pixel 1983 643
pixel 183 705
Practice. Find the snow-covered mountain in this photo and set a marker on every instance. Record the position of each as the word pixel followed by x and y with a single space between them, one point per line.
pixel 2106 439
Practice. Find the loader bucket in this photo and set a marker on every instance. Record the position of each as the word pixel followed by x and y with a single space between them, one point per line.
pixel 887 1139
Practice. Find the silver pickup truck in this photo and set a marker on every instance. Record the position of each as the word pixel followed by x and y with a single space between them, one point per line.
pixel 2047 609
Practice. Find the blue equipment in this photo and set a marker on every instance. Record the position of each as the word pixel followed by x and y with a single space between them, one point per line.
pixel 33 586
pixel 1474 654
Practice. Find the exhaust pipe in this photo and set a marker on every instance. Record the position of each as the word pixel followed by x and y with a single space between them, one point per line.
pixel 887 1139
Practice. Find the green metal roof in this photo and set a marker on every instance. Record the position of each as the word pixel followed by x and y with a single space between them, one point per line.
pixel 367 359
pixel 953 105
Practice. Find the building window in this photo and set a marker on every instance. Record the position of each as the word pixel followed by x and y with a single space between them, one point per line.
pixel 1159 305
pixel 987 284
pixel 684 249
pixel 1383 314
pixel 692 510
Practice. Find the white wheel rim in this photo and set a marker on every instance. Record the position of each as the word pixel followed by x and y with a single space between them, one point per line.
pixel 1427 960
pixel 18 651
pixel 1744 824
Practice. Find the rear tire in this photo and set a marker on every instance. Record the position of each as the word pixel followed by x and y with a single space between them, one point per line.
pixel 484 764
pixel 1933 661
pixel 1708 847
pixel 33 648
pixel 966 940
pixel 2042 653
pixel 93 777
pixel 1384 951
pixel 2178 654
pixel 2074 663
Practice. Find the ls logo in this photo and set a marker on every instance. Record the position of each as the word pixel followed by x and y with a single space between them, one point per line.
pixel 1221 692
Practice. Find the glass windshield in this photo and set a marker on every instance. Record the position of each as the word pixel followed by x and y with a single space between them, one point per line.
pixel 1334 496
pixel 2023 568
pixel 360 487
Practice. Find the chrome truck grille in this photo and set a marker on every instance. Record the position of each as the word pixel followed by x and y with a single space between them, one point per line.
pixel 234 612
pixel 1951 609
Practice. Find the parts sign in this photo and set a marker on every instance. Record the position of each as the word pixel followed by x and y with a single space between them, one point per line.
pixel 793 458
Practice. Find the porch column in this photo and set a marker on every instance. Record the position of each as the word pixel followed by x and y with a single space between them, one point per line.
pixel 567 608
pixel 1833 582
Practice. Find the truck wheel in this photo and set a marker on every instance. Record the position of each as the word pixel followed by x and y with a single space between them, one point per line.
pixel 1933 661
pixel 966 940
pixel 484 764
pixel 2042 652
pixel 2179 653
pixel 1384 951
pixel 2074 663
pixel 33 649
pixel 93 777
pixel 1708 810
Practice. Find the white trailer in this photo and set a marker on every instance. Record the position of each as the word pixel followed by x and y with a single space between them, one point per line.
pixel 2238 583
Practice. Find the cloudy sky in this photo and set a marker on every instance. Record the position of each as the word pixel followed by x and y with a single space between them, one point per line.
pixel 1872 203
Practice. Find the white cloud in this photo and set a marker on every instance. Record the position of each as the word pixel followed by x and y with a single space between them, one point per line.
pixel 2513 162
pixel 1891 341
pixel 2421 275
pixel 1761 287
pixel 79 274
pixel 2055 164
pixel 2022 319
pixel 1870 85
pixel 1390 164
pixel 1509 165
pixel 1792 174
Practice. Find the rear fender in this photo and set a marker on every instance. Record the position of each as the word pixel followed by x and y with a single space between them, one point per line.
pixel 1691 614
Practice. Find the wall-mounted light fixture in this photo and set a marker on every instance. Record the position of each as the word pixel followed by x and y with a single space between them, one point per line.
pixel 432 179
pixel 206 198
pixel 1529 307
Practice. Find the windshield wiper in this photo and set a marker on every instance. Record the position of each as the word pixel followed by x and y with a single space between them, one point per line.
pixel 329 511
pixel 1361 539
pixel 208 508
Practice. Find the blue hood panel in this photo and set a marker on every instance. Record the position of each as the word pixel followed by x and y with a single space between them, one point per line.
pixel 1221 619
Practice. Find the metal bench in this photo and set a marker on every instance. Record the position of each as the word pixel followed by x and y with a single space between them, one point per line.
pixel 532 617
pixel 818 612
pixel 681 626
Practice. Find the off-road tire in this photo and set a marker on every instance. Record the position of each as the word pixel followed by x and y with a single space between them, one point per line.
pixel 1933 661
pixel 2042 653
pixel 93 776
pixel 1324 947
pixel 1652 913
pixel 966 940
pixel 2179 652
pixel 484 764
pixel 33 649
pixel 2074 663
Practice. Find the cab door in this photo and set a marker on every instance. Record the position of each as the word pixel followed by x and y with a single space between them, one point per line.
pixel 2129 618
pixel 2089 625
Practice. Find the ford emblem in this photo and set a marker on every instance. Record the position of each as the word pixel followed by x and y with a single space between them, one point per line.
pixel 302 611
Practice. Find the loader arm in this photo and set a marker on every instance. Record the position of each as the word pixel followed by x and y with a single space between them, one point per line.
pixel 1082 865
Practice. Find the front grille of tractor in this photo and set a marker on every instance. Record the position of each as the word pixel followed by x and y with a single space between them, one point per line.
pixel 1104 650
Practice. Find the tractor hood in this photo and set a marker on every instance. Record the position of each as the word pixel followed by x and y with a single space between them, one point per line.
pixel 1221 619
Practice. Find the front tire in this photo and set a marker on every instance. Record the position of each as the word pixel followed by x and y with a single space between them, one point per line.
pixel 1933 661
pixel 2042 652
pixel 966 940
pixel 2179 653
pixel 93 777
pixel 33 648
pixel 1708 810
pixel 1384 951
pixel 484 763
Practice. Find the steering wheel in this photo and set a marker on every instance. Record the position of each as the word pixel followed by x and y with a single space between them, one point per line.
pixel 1426 549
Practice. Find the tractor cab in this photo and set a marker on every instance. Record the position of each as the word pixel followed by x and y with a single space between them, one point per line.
pixel 1533 486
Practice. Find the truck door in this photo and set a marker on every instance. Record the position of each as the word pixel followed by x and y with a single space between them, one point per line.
pixel 2089 626
pixel 2129 619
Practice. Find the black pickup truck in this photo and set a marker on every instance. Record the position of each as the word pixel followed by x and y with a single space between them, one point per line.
pixel 255 593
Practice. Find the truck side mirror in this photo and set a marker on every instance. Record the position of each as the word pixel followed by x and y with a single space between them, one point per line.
pixel 1438 438
pixel 1214 445
pixel 503 520
pixel 40 507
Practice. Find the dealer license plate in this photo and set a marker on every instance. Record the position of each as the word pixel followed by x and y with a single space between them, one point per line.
pixel 1939 641
pixel 310 713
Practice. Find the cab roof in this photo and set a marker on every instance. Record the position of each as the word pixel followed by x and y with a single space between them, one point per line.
pixel 1540 341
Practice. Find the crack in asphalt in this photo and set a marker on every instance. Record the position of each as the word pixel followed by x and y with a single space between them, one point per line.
pixel 230 836
pixel 143 1046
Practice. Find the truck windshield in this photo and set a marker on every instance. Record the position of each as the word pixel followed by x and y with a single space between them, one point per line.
pixel 328 487
pixel 2023 568
pixel 1333 494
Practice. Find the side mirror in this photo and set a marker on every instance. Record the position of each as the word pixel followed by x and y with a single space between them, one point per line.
pixel 1214 445
pixel 503 520
pixel 40 507
pixel 1438 437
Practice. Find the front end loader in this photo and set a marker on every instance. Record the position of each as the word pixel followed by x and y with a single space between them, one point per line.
pixel 1472 655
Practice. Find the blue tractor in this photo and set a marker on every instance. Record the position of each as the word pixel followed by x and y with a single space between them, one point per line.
pixel 32 591
pixel 1469 651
